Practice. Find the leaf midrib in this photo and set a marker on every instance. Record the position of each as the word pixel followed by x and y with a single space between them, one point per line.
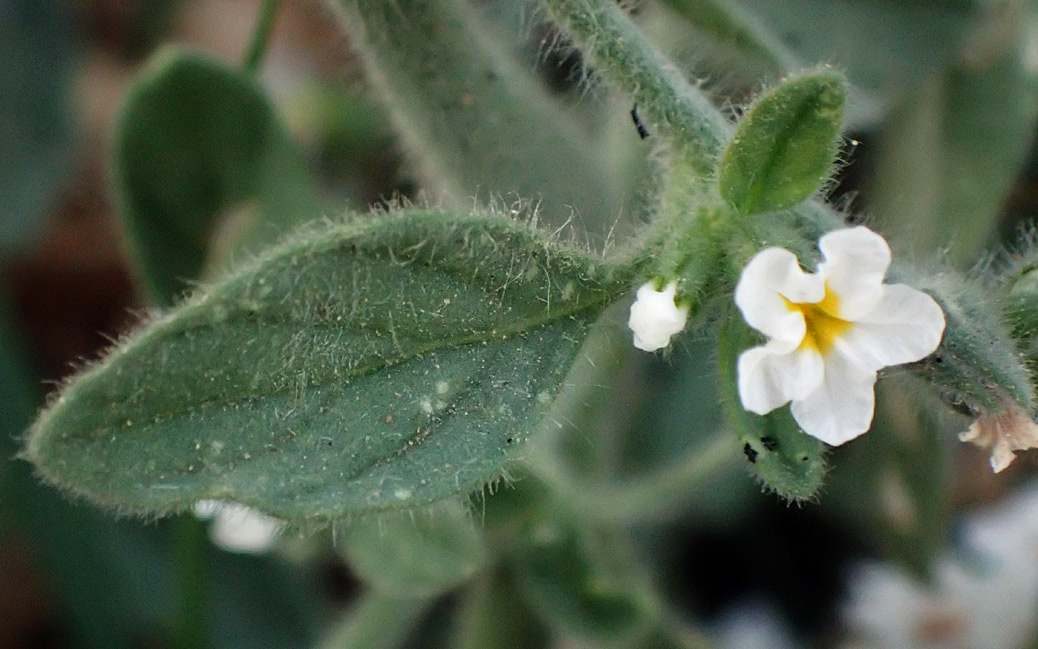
pixel 514 328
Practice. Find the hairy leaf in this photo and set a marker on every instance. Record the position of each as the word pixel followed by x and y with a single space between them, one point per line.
pixel 366 366
pixel 783 149
pixel 478 120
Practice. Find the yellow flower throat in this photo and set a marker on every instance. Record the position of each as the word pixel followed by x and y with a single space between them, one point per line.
pixel 823 326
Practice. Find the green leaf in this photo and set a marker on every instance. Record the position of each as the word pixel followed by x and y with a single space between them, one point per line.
pixel 784 458
pixel 977 365
pixel 952 154
pixel 415 554
pixel 885 48
pixel 196 141
pixel 784 147
pixel 480 123
pixel 363 366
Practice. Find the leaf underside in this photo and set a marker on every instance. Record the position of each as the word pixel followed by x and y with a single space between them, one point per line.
pixel 371 365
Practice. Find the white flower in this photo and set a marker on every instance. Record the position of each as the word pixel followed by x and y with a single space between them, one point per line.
pixel 829 332
pixel 984 596
pixel 238 528
pixel 752 624
pixel 655 317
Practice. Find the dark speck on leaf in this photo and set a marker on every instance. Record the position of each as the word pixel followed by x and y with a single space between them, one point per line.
pixel 642 131
pixel 769 443
pixel 751 454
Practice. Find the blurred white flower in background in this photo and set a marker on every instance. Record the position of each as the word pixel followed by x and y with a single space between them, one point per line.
pixel 984 597
pixel 237 528
pixel 829 332
pixel 752 625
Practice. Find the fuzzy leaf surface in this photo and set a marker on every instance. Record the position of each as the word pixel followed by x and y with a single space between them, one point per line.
pixel 783 149
pixel 373 365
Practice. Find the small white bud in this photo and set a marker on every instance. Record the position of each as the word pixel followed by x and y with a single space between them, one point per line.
pixel 655 317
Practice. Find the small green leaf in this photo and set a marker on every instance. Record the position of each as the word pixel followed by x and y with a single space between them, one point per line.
pixel 784 147
pixel 197 140
pixel 784 458
pixel 363 366
pixel 415 554
pixel 1022 302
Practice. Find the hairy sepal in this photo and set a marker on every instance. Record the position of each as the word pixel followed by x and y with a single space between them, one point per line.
pixel 365 366
pixel 785 459
pixel 977 367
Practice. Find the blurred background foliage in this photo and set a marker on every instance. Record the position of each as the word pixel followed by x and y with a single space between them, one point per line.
pixel 940 154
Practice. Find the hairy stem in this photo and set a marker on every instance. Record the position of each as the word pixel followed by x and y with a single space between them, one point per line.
pixel 681 112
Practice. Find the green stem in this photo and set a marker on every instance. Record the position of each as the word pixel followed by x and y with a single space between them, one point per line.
pixel 260 37
pixel 189 583
pixel 682 113
pixel 649 498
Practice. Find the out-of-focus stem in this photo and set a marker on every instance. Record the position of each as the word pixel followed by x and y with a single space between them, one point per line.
pixel 260 36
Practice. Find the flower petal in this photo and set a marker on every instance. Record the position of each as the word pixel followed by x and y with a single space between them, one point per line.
pixel 770 377
pixel 842 407
pixel 904 326
pixel 856 259
pixel 771 275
